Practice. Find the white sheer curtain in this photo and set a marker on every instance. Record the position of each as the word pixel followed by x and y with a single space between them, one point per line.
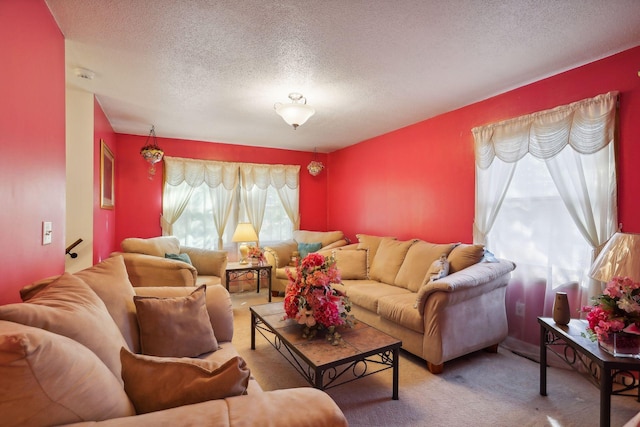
pixel 566 154
pixel 184 176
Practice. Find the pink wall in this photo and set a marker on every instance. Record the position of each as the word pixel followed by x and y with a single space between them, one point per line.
pixel 32 141
pixel 419 181
pixel 139 199
pixel 104 220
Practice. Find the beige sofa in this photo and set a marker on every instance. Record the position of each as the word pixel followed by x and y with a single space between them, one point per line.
pixel 279 255
pixel 148 266
pixel 70 355
pixel 388 284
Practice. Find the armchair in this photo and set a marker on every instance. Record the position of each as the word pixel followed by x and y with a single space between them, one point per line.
pixel 147 265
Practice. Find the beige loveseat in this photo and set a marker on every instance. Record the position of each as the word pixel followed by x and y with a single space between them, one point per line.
pixel 388 284
pixel 148 266
pixel 279 255
pixel 70 354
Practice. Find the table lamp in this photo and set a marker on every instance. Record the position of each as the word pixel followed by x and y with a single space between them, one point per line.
pixel 244 233
pixel 620 257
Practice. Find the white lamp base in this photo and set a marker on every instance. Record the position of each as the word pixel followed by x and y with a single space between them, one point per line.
pixel 244 251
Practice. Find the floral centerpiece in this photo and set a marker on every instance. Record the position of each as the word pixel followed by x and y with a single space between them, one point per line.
pixel 255 253
pixel 614 317
pixel 312 301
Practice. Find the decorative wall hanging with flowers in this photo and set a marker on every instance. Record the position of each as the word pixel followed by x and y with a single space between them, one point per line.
pixel 313 302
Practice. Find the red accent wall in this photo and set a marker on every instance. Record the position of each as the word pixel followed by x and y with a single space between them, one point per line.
pixel 419 181
pixel 139 199
pixel 32 145
pixel 104 220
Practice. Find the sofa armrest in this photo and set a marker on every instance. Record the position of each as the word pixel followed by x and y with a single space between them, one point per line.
pixel 279 254
pixel 150 270
pixel 469 281
pixel 218 303
pixel 207 262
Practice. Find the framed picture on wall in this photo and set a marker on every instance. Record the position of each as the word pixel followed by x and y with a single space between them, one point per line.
pixel 107 166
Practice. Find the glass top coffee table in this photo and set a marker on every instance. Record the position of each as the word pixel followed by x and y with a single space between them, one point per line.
pixel 363 350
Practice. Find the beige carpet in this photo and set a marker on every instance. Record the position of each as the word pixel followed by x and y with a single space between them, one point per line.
pixel 482 389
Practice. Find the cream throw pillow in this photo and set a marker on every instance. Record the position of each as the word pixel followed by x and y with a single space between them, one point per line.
pixel 156 383
pixel 352 264
pixel 176 326
pixel 67 306
pixel 49 379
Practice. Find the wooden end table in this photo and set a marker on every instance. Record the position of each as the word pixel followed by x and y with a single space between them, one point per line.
pixel 364 349
pixel 236 272
pixel 597 365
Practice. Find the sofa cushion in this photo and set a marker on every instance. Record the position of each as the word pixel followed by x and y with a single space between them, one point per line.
pixel 157 246
pixel 49 379
pixel 156 383
pixel 324 237
pixel 67 306
pixel 400 309
pixel 367 293
pixel 281 252
pixel 352 264
pixel 464 255
pixel 110 281
pixel 417 261
pixel 175 326
pixel 208 262
pixel 305 249
pixel 389 257
pixel 370 243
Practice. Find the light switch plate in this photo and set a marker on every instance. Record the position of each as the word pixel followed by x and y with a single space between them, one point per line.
pixel 47 231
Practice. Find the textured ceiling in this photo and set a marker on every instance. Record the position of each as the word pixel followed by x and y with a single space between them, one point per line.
pixel 212 70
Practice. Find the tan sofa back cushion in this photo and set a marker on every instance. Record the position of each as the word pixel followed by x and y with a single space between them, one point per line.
pixel 324 237
pixel 370 243
pixel 281 252
pixel 157 246
pixel 389 257
pixel 417 262
pixel 464 255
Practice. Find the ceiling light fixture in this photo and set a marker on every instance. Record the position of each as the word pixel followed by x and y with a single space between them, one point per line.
pixel 296 113
pixel 151 152
pixel 315 167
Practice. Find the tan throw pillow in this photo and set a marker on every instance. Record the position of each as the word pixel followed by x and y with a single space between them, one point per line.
pixel 49 379
pixel 416 264
pixel 156 246
pixel 388 259
pixel 352 264
pixel 370 243
pixel 176 326
pixel 463 256
pixel 67 306
pixel 157 383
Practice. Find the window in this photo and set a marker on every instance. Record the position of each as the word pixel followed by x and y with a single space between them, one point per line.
pixel 203 201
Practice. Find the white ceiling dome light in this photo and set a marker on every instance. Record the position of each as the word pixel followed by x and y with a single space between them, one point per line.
pixel 296 113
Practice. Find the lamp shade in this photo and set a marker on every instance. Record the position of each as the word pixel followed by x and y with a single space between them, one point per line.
pixel 295 114
pixel 245 233
pixel 620 257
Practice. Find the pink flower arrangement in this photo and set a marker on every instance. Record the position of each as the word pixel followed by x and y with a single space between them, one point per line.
pixel 311 300
pixel 616 310
pixel 256 252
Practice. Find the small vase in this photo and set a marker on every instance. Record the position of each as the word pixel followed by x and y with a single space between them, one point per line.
pixel 621 344
pixel 561 311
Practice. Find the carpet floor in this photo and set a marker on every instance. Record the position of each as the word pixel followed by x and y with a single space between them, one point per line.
pixel 481 389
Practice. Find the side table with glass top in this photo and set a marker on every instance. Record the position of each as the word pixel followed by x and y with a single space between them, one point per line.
pixel 588 358
pixel 237 272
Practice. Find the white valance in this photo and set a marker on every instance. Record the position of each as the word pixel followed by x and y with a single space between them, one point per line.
pixel 587 125
pixel 195 172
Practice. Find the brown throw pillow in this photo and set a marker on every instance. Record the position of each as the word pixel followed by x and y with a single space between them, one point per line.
pixel 157 383
pixel 175 327
pixel 67 306
pixel 49 379
pixel 464 255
